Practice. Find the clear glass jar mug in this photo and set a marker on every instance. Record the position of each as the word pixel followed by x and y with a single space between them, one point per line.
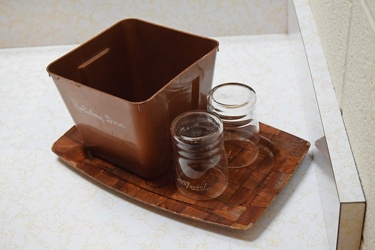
pixel 235 104
pixel 199 155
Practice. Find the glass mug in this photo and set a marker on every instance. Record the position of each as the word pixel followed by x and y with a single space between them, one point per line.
pixel 199 155
pixel 235 104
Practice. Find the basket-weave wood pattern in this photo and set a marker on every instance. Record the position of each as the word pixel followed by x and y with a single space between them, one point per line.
pixel 250 190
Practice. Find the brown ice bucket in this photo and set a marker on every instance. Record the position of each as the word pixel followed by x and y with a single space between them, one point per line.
pixel 124 87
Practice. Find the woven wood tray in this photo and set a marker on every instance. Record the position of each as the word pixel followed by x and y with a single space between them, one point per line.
pixel 250 190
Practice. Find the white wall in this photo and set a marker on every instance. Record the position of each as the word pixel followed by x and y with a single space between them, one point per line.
pixel 37 22
pixel 347 32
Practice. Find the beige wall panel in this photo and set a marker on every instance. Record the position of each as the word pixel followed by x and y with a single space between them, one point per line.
pixel 359 108
pixel 332 19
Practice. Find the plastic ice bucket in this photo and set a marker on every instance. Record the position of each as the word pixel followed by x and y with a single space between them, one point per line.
pixel 124 87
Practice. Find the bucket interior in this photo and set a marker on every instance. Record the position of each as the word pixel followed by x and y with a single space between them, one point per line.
pixel 132 59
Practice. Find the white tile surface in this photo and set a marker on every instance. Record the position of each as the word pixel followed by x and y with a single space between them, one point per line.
pixel 44 204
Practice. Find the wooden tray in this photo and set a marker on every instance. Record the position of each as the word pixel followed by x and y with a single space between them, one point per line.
pixel 250 190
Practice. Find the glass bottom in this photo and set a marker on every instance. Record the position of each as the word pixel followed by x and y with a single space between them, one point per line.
pixel 240 153
pixel 209 186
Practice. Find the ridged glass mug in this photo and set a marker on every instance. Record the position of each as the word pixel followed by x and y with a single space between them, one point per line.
pixel 235 104
pixel 199 155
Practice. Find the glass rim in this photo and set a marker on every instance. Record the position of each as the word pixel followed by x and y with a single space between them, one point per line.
pixel 210 94
pixel 176 121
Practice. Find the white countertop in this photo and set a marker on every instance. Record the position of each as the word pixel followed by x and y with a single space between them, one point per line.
pixel 46 205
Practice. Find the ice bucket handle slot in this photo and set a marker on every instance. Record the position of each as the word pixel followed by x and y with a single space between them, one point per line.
pixel 94 58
